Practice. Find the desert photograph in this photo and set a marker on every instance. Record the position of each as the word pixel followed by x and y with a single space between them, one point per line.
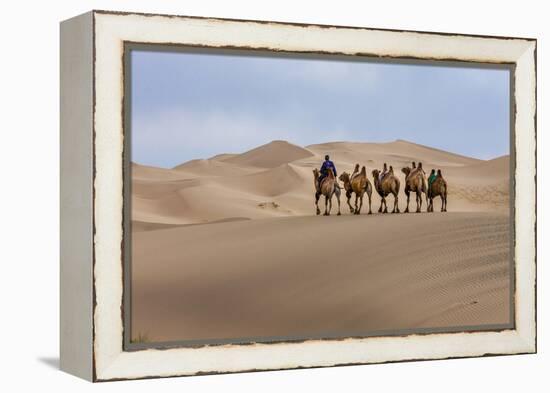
pixel 277 198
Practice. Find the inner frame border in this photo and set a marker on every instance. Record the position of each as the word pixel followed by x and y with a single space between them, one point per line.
pixel 129 46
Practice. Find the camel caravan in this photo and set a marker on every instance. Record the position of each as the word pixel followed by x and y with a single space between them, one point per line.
pixel 385 182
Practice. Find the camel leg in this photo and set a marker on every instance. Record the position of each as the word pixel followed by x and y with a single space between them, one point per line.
pixel 429 201
pixel 326 205
pixel 356 208
pixel 338 200
pixel 370 200
pixel 317 196
pixel 418 201
pixel 385 205
pixel 395 203
pixel 348 195
pixel 426 196
pixel 360 204
pixel 408 193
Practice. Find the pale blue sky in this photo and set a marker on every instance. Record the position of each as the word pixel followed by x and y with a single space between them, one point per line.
pixel 195 105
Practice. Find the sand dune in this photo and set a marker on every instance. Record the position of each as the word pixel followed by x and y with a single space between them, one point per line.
pixel 271 182
pixel 398 152
pixel 270 155
pixel 495 170
pixel 319 276
pixel 213 167
pixel 144 172
pixel 223 156
pixel 278 174
pixel 229 247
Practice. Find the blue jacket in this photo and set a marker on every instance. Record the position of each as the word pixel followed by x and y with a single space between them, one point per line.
pixel 324 168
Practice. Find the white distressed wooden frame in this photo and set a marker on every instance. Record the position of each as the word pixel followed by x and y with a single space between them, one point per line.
pixel 92 194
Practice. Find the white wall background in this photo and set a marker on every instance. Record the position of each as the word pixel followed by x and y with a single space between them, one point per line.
pixel 29 183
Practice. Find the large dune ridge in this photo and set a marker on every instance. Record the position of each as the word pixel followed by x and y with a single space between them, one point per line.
pixel 229 247
pixel 276 179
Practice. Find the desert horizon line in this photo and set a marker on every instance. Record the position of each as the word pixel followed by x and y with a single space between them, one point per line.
pixel 306 147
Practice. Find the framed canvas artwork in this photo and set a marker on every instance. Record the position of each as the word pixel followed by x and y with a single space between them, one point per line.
pixel 244 195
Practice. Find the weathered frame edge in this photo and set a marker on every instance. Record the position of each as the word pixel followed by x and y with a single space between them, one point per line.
pixel 76 196
pixel 535 224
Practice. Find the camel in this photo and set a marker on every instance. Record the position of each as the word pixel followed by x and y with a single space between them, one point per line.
pixel 415 182
pixel 328 187
pixel 438 188
pixel 388 185
pixel 358 183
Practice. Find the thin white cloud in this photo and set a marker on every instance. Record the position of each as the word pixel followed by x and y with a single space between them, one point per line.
pixel 335 73
pixel 170 137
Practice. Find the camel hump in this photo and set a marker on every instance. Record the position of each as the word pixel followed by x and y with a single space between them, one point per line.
pixel 364 170
pixel 416 170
